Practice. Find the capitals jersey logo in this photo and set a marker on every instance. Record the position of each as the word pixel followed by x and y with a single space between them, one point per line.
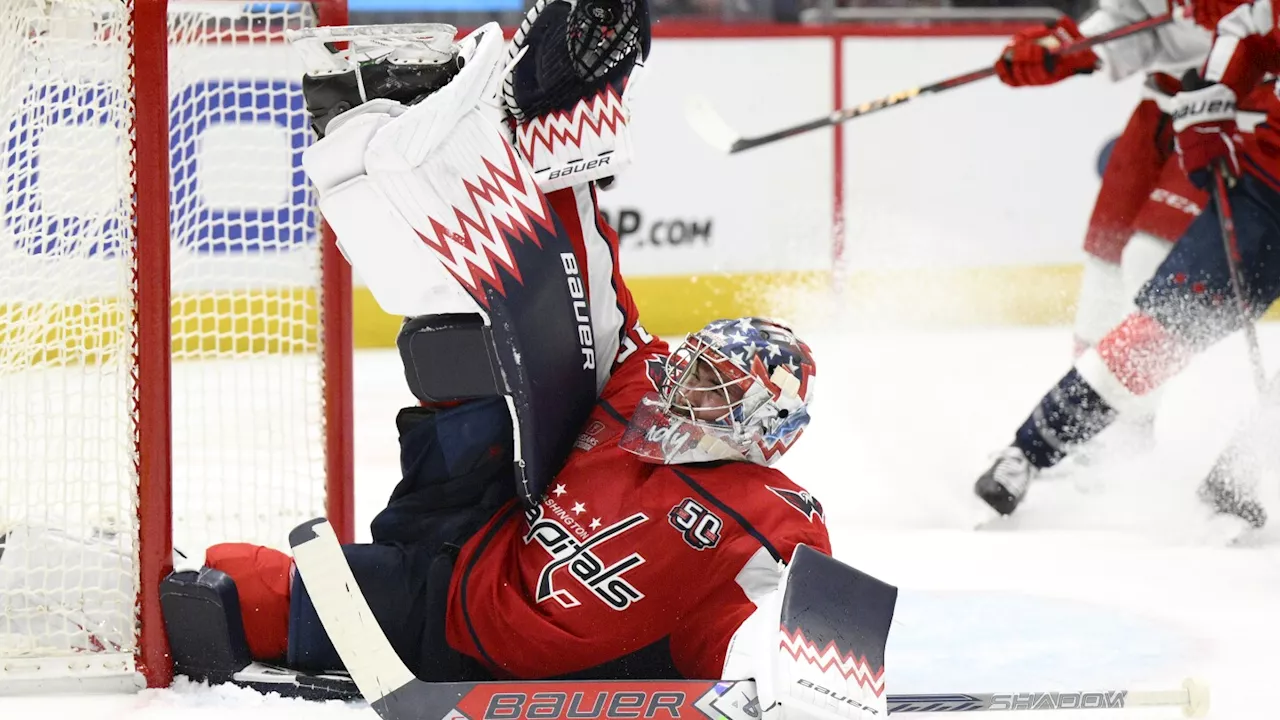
pixel 807 504
pixel 575 552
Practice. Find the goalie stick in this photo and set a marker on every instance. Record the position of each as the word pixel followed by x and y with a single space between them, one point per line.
pixel 395 694
pixel 717 133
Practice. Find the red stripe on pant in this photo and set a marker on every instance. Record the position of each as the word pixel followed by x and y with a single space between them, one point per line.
pixel 1141 354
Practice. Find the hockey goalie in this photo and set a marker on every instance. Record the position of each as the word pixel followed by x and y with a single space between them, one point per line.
pixel 578 499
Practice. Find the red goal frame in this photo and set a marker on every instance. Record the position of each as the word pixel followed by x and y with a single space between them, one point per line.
pixel 152 339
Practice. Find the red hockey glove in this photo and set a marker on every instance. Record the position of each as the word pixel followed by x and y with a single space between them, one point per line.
pixel 1028 59
pixel 1205 123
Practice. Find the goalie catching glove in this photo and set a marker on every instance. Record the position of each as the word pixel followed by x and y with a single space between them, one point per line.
pixel 568 95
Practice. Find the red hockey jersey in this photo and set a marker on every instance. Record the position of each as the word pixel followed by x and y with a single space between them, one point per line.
pixel 1245 51
pixel 624 558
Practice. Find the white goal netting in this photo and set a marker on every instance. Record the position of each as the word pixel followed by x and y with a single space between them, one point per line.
pixel 247 371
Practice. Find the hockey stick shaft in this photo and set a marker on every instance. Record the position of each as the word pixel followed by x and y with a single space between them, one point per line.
pixel 1231 246
pixel 395 694
pixel 898 98
pixel 1192 697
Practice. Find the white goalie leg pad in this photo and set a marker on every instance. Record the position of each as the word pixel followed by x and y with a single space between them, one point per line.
pixel 407 142
pixel 1102 301
pixel 339 155
pixel 788 688
pixel 1140 259
pixel 402 273
pixel 453 178
pixel 467 198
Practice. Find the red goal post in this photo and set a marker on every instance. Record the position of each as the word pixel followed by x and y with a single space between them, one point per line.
pixel 175 321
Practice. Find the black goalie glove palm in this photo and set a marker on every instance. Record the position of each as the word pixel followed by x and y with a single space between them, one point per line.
pixel 574 49
pixel 566 94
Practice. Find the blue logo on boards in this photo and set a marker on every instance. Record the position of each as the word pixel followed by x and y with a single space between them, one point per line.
pixel 42 223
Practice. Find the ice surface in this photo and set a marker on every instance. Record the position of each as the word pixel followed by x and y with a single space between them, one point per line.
pixel 1109 577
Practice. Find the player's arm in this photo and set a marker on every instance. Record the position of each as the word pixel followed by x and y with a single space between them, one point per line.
pixel 1244 48
pixel 1028 58
pixel 1204 113
pixel 1171 48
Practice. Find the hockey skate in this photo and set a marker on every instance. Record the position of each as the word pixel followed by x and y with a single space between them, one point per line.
pixel 1005 483
pixel 1228 488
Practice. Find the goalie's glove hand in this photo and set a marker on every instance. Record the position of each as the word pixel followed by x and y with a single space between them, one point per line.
pixel 1204 120
pixel 330 95
pixel 1030 59
pixel 574 49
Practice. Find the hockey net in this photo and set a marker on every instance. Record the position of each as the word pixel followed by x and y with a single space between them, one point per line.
pixel 125 432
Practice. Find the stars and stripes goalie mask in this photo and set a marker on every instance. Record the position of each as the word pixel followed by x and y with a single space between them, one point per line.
pixel 567 96
pixel 734 390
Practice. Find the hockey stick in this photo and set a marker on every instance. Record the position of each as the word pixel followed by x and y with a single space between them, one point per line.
pixel 1218 488
pixel 1231 246
pixel 395 694
pixel 717 133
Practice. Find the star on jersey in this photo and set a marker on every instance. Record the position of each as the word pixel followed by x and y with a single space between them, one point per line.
pixel 579 508
pixel 559 489
pixel 595 523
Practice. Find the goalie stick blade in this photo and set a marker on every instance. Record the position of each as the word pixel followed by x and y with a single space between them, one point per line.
pixel 344 612
pixel 709 126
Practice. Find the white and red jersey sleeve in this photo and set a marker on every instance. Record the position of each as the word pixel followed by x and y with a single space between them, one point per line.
pixel 1172 48
pixel 1245 48
pixel 615 322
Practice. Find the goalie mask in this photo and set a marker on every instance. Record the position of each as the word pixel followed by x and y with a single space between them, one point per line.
pixel 735 390
pixel 567 94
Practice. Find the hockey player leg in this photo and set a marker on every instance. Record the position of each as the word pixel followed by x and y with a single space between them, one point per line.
pixel 1132 171
pixel 455 469
pixel 1135 431
pixel 1229 489
pixel 1116 377
pixel 815 646
pixel 1187 306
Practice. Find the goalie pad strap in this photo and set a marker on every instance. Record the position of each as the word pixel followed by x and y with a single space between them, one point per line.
pixel 450 357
